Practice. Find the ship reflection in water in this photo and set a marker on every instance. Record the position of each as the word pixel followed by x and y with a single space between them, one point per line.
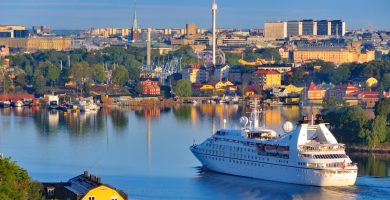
pixel 144 151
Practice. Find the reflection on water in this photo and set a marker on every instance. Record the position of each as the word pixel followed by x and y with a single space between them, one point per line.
pixel 144 150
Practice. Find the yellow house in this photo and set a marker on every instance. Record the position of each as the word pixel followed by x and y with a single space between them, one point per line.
pixel 103 192
pixel 82 187
pixel 267 78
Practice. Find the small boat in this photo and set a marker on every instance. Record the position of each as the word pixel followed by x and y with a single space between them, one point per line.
pixel 27 102
pixel 19 104
pixel 235 100
pixel 53 102
pixel 5 104
pixel 87 105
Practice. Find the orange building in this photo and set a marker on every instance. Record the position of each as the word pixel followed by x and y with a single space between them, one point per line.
pixel 150 88
pixel 315 94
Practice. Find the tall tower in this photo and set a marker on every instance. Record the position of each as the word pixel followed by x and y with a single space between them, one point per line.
pixel 148 48
pixel 134 28
pixel 214 8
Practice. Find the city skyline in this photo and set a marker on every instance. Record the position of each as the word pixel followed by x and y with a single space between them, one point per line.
pixel 77 14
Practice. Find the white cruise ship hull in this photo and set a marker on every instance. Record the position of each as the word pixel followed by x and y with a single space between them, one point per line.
pixel 274 171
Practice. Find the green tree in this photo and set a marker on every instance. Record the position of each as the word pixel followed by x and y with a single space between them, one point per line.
pixel 98 73
pixel 183 88
pixel 21 80
pixel 383 107
pixel 52 73
pixel 378 132
pixel 386 81
pixel 39 83
pixel 232 58
pixel 120 75
pixel 297 77
pixel 15 182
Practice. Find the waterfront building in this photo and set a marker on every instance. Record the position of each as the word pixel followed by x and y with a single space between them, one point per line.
pixel 150 88
pixel 82 187
pixel 266 78
pixel 191 29
pixel 315 94
pixel 38 43
pixel 294 28
pixel 276 30
pixel 309 27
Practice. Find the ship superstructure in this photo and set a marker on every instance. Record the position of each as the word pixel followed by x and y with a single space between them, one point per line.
pixel 308 154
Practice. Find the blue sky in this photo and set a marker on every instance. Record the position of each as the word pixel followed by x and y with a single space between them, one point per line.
pixel 82 14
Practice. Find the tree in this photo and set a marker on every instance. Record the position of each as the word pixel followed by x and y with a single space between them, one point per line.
pixel 386 81
pixel 183 88
pixel 348 123
pixel 378 131
pixel 98 73
pixel 383 107
pixel 232 58
pixel 120 75
pixel 21 80
pixel 297 77
pixel 52 73
pixel 39 83
pixel 15 182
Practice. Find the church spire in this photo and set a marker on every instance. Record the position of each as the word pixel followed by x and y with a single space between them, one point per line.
pixel 135 25
pixel 134 28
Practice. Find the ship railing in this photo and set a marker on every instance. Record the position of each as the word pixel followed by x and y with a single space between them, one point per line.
pixel 320 148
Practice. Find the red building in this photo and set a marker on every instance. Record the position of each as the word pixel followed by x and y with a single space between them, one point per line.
pixel 150 88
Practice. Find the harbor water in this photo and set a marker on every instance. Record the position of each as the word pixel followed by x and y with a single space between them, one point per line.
pixel 144 151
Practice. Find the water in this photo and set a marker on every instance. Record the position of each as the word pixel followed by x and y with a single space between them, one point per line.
pixel 145 152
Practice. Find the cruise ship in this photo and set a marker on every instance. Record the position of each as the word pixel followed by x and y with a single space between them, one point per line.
pixel 306 154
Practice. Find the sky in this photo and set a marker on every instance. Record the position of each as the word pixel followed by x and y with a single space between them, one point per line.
pixel 84 14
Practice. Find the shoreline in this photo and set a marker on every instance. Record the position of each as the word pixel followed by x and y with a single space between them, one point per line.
pixel 383 149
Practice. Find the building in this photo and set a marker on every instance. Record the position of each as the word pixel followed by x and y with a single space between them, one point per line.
pixel 315 94
pixel 4 51
pixel 196 74
pixel 82 187
pixel 276 30
pixel 221 72
pixel 324 27
pixel 281 68
pixel 42 30
pixel 234 75
pixel 12 31
pixel 38 43
pixel 134 28
pixel 338 28
pixel 332 53
pixel 294 28
pixel 309 27
pixel 150 88
pixel 191 29
pixel 267 78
